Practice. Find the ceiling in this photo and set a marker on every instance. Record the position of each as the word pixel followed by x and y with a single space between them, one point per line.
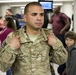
pixel 17 3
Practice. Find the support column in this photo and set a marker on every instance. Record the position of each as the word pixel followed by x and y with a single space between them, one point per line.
pixel 16 10
pixel 67 8
pixel 74 15
pixel 3 10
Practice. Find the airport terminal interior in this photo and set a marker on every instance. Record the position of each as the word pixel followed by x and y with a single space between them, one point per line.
pixel 17 6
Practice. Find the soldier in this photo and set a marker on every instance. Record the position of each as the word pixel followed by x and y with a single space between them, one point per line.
pixel 27 49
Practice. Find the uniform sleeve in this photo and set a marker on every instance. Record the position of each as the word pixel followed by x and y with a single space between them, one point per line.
pixel 59 53
pixel 7 56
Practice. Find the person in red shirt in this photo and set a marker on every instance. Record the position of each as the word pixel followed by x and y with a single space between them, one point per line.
pixel 59 29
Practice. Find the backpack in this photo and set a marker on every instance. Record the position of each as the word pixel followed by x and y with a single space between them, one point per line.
pixel 61 19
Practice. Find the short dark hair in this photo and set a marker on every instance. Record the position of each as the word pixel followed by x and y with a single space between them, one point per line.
pixel 71 35
pixel 10 10
pixel 29 4
pixel 59 7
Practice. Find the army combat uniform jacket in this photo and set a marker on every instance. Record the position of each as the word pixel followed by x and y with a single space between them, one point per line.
pixel 32 58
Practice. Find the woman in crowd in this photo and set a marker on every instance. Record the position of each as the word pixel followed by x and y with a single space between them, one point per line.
pixel 7 27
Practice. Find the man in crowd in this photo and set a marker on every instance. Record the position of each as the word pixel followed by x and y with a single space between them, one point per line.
pixel 60 23
pixel 27 50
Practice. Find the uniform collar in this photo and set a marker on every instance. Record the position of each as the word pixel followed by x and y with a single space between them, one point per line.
pixel 25 38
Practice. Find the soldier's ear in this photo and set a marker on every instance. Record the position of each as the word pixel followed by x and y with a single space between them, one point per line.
pixel 24 17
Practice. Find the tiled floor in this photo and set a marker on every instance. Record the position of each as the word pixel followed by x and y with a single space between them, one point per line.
pixel 2 73
pixel 55 67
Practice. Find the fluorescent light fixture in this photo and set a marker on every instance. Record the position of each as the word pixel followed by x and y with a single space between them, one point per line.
pixel 54 4
pixel 17 5
pixel 57 4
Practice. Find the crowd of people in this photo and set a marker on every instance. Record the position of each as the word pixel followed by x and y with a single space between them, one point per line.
pixel 31 49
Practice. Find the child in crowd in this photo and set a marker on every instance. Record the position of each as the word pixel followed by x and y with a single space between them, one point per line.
pixel 70 40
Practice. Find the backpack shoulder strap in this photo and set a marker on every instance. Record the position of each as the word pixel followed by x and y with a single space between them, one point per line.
pixel 61 15
pixel 47 31
pixel 16 33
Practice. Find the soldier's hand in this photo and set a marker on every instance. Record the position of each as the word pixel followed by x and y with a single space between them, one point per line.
pixel 51 39
pixel 14 42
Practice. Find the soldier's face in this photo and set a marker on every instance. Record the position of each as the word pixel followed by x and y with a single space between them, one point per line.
pixel 34 17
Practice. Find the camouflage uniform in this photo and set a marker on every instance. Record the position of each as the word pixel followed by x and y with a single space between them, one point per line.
pixel 32 58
